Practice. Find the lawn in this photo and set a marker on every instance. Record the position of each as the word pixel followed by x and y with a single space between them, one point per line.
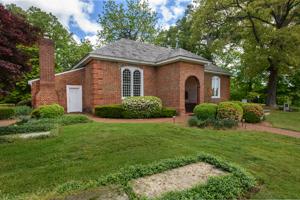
pixel 87 151
pixel 286 120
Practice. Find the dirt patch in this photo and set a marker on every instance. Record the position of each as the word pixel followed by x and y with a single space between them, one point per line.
pixel 103 193
pixel 175 180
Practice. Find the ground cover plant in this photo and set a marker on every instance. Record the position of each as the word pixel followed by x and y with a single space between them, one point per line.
pixel 238 182
pixel 43 124
pixel 285 120
pixel 83 152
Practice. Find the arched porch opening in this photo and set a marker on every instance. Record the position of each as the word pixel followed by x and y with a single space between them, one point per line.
pixel 192 93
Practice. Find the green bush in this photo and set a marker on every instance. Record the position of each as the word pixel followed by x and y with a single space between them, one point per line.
pixel 22 110
pixel 48 111
pixel 253 113
pixel 206 111
pixel 223 123
pixel 168 112
pixel 109 111
pixel 141 107
pixel 229 110
pixel 7 112
pixel 26 102
pixel 26 128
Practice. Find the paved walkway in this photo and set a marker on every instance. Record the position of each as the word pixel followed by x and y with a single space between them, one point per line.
pixel 7 122
pixel 266 127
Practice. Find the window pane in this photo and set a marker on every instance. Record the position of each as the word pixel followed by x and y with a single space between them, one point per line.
pixel 215 86
pixel 136 83
pixel 126 83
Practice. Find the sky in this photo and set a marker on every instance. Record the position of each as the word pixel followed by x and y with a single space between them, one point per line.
pixel 80 16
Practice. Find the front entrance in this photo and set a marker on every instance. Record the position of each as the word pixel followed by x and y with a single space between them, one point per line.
pixel 191 93
pixel 74 98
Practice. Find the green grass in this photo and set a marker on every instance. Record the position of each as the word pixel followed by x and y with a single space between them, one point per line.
pixel 88 151
pixel 285 120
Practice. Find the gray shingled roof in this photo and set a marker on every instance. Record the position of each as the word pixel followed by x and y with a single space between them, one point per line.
pixel 134 50
pixel 143 52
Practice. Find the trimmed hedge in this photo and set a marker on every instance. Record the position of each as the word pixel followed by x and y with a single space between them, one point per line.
pixel 229 110
pixel 253 113
pixel 7 112
pixel 26 128
pixel 141 107
pixel 109 111
pixel 168 112
pixel 231 186
pixel 206 111
pixel 48 111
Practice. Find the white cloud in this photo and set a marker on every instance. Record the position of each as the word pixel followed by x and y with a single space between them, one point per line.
pixel 93 39
pixel 67 11
pixel 171 10
pixel 76 38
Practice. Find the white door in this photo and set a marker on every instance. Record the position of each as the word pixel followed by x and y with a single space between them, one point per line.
pixel 74 98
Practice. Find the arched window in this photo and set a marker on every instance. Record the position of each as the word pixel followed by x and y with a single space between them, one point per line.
pixel 215 86
pixel 132 82
pixel 137 83
pixel 126 80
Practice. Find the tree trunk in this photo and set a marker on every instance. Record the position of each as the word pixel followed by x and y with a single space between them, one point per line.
pixel 272 86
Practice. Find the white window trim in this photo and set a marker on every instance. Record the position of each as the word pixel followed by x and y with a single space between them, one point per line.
pixel 132 69
pixel 219 86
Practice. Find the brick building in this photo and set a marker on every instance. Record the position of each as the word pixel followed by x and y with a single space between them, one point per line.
pixel 129 68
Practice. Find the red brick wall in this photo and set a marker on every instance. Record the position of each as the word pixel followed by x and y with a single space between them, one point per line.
pixel 167 87
pixel 224 88
pixel 46 93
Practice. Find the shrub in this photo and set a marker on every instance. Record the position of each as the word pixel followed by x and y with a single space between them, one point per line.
pixel 206 111
pixel 141 107
pixel 223 123
pixel 26 128
pixel 109 111
pixel 6 112
pixel 26 102
pixel 253 113
pixel 48 111
pixel 229 110
pixel 22 110
pixel 193 121
pixel 168 112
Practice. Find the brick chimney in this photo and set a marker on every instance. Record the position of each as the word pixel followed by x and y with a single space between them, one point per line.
pixel 47 93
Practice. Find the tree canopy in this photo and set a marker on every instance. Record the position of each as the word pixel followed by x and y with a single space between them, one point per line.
pixel 132 19
pixel 67 51
pixel 267 33
pixel 14 32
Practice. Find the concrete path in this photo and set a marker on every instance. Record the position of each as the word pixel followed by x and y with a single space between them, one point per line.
pixel 7 122
pixel 266 127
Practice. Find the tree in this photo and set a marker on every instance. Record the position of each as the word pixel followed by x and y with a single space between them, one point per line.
pixel 14 33
pixel 134 21
pixel 266 32
pixel 67 51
